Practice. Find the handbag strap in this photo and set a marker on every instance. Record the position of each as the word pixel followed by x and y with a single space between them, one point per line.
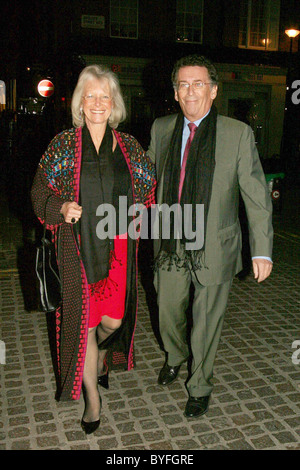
pixel 76 235
pixel 44 233
pixel 58 228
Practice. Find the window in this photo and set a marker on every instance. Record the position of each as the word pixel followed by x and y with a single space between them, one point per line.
pixel 2 106
pixel 124 19
pixel 189 20
pixel 259 24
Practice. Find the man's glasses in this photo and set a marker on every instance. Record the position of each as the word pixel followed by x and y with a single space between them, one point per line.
pixel 198 85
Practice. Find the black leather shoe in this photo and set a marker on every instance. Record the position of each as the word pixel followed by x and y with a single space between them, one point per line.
pixel 168 374
pixel 196 406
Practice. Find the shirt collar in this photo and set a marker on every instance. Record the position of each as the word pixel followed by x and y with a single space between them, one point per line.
pixel 186 121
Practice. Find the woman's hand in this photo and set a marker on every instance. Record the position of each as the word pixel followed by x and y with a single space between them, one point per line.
pixel 71 212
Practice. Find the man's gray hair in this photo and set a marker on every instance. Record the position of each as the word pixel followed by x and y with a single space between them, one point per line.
pixel 193 61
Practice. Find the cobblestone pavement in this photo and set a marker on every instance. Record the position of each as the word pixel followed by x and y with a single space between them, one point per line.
pixel 256 399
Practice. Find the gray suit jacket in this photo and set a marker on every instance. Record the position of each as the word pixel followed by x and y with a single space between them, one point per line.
pixel 237 168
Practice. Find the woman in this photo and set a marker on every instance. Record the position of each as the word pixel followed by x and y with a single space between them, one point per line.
pixel 84 168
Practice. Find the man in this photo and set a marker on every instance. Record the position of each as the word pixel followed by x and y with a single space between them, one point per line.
pixel 222 159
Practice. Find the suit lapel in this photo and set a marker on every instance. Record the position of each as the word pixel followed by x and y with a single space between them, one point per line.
pixel 164 147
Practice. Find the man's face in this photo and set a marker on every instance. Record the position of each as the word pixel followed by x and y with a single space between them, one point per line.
pixel 195 101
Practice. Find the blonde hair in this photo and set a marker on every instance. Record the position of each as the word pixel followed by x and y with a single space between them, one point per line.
pixel 118 113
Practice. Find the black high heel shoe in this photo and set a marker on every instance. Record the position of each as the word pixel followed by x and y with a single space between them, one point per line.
pixel 91 427
pixel 103 380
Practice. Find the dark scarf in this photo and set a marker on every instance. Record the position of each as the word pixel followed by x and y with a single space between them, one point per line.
pixel 196 187
pixel 103 179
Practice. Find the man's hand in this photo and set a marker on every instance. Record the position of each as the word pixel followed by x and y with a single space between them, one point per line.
pixel 261 268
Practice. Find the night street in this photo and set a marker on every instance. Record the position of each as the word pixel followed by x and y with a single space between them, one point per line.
pixel 189 102
pixel 256 400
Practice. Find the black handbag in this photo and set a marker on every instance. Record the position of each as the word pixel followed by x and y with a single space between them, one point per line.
pixel 47 273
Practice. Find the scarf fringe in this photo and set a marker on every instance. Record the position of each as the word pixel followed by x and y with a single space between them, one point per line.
pixel 191 261
pixel 114 259
pixel 105 288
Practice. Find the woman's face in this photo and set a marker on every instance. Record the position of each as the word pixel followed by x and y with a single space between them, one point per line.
pixel 97 102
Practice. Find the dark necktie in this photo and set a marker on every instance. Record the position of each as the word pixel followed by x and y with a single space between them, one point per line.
pixel 193 129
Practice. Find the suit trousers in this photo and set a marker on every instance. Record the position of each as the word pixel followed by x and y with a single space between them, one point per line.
pixel 208 310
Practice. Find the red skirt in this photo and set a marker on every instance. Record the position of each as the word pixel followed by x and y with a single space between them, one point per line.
pixel 107 297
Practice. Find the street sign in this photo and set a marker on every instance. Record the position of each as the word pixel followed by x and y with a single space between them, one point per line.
pixel 275 194
pixel 92 21
pixel 45 88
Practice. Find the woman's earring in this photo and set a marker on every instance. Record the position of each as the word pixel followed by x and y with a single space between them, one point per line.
pixel 81 113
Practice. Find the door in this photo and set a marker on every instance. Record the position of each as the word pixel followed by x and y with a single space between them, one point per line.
pixel 251 106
